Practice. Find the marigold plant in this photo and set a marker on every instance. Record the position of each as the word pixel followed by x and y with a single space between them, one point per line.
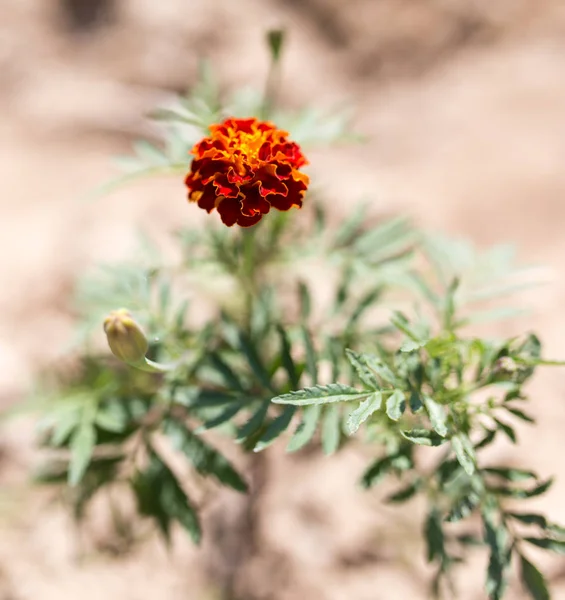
pixel 272 361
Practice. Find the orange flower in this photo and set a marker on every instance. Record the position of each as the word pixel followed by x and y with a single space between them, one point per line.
pixel 244 168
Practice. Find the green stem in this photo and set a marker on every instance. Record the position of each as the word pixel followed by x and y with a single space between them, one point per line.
pixel 248 272
pixel 270 92
pixel 150 366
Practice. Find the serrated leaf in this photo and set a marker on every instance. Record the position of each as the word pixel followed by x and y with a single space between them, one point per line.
pixel 160 496
pixel 366 374
pixel 520 414
pixel 508 431
pixel 488 439
pixel 331 432
pixel 226 415
pixel 230 378
pixel 370 368
pixel 403 324
pixel 363 412
pixel 254 422
pixel 557 546
pixel 65 425
pixel 351 226
pixel 376 472
pixel 463 507
pixel 433 533
pixel 464 452
pixel 255 363
pixel 423 437
pixel 405 493
pixel 81 448
pixel 495 537
pixel 511 474
pixel 204 458
pixel 395 405
pixel 437 415
pixel 113 417
pixel 322 394
pixel 530 519
pixel 523 494
pixel 311 360
pixel 533 580
pixel 305 301
pixel 415 401
pixel 410 346
pixel 306 429
pixel 166 114
pixel 178 505
pixel 278 426
pixel 287 360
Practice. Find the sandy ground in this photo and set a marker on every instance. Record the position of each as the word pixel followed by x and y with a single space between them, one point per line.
pixel 465 109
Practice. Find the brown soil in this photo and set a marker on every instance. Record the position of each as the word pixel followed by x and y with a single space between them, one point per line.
pixel 465 109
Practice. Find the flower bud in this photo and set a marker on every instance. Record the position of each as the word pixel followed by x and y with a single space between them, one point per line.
pixel 125 337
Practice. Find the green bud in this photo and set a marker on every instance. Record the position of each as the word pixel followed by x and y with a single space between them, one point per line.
pixel 125 337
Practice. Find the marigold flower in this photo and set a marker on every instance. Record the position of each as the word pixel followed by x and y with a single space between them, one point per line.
pixel 244 168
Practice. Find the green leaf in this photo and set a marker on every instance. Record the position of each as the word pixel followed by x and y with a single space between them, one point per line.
pixel 533 580
pixel 361 363
pixel 405 493
pixel 403 324
pixel 437 415
pixel 305 301
pixel 364 303
pixel 205 459
pixel 178 505
pixel 464 452
pixel 112 417
pixel 305 431
pixel 557 546
pixel 350 228
pixel 424 437
pixel 230 378
pixel 311 361
pixel 410 346
pixel 66 423
pixel 488 439
pixel 510 474
pixel 81 447
pixel 376 472
pixel 520 414
pixel 433 533
pixel 166 114
pixel 509 431
pixel 255 363
pixel 276 427
pixel 395 405
pixel 254 422
pixel 322 394
pixel 463 507
pixel 363 412
pixel 160 496
pixel 226 415
pixel 495 537
pixel 529 519
pixel 286 359
pixel 415 401
pixel 331 432
pixel 520 493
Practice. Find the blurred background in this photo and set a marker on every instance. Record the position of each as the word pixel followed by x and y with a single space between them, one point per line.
pixel 463 103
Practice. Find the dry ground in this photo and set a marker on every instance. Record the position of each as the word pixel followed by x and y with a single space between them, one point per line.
pixel 465 107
